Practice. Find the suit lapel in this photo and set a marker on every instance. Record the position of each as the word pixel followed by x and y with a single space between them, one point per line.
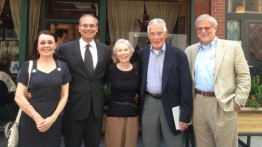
pixel 168 63
pixel 220 52
pixel 77 56
pixel 145 60
pixel 100 53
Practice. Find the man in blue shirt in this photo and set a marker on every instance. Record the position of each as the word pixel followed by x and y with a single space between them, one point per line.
pixel 165 84
pixel 221 85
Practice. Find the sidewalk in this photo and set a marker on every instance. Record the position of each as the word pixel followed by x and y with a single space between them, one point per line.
pixel 3 141
pixel 256 141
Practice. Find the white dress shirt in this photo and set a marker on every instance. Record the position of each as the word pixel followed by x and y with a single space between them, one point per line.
pixel 92 48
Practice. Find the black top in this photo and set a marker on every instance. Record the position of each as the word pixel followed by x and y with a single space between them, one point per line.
pixel 124 86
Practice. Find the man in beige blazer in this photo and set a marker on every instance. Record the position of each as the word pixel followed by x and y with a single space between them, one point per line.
pixel 221 84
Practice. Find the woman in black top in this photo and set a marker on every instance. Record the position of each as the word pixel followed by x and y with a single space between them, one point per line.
pixel 122 117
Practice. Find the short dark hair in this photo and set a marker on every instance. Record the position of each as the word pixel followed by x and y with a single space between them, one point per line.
pixel 59 33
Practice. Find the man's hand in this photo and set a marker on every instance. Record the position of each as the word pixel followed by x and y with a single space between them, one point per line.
pixel 136 97
pixel 183 126
pixel 236 107
pixel 28 95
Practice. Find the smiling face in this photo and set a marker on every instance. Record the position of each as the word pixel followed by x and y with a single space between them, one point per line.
pixel 123 53
pixel 88 27
pixel 157 36
pixel 46 45
pixel 206 32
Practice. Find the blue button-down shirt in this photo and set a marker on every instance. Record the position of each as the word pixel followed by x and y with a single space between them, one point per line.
pixel 205 67
pixel 155 70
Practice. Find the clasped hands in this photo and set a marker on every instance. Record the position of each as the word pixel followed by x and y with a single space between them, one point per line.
pixel 41 124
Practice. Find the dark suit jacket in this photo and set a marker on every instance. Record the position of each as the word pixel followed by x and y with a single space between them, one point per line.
pixel 85 87
pixel 176 84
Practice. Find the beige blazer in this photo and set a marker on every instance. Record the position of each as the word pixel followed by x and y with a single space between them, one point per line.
pixel 232 76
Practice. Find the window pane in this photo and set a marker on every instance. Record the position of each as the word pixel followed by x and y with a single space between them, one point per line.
pixel 244 6
pixel 233 29
pixel 255 47
pixel 69 9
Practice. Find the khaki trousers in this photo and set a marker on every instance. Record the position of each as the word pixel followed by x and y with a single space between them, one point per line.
pixel 121 131
pixel 213 127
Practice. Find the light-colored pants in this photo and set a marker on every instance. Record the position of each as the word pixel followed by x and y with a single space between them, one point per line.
pixel 213 127
pixel 154 124
pixel 121 131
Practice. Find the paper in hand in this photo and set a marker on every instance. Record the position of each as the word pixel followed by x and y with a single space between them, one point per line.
pixel 176 115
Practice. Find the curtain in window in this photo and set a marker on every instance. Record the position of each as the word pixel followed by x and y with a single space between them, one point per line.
pixel 168 11
pixel 122 17
pixel 2 2
pixel 15 6
pixel 34 14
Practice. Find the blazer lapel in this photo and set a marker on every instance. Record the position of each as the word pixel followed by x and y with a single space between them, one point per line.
pixel 144 64
pixel 220 52
pixel 168 63
pixel 77 56
pixel 100 54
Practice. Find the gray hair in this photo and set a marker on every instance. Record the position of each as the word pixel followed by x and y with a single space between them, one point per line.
pixel 202 17
pixel 157 21
pixel 88 15
pixel 120 42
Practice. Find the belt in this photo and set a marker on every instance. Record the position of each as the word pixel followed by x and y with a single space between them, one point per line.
pixel 124 103
pixel 205 93
pixel 157 96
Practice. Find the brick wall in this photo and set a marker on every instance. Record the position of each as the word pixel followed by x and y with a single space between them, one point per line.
pixel 215 8
pixel 218 11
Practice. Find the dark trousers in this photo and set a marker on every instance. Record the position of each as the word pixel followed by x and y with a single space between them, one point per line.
pixel 89 130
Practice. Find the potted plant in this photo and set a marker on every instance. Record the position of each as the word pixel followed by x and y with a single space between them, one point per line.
pixel 255 95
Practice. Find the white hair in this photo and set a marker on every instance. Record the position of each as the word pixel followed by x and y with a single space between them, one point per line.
pixel 202 17
pixel 157 21
pixel 120 42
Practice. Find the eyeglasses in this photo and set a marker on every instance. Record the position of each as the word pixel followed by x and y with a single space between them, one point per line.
pixel 88 25
pixel 200 29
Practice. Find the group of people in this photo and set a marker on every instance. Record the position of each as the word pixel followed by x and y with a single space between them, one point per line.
pixel 210 81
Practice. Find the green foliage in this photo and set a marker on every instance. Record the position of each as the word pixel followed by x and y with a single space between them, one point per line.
pixel 107 93
pixel 255 95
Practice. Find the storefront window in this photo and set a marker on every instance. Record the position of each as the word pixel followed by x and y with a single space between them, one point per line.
pixel 244 6
pixel 255 44
pixel 69 9
pixel 71 30
pixel 9 50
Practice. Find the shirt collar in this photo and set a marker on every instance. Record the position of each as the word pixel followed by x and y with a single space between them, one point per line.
pixel 210 45
pixel 163 48
pixel 83 43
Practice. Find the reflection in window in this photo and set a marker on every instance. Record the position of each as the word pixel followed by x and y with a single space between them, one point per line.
pixel 71 28
pixel 255 48
pixel 233 29
pixel 244 6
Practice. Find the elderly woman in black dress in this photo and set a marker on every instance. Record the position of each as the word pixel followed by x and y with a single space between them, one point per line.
pixel 122 118
pixel 40 122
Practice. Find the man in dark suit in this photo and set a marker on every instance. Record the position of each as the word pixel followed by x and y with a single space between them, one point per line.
pixel 87 61
pixel 165 83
